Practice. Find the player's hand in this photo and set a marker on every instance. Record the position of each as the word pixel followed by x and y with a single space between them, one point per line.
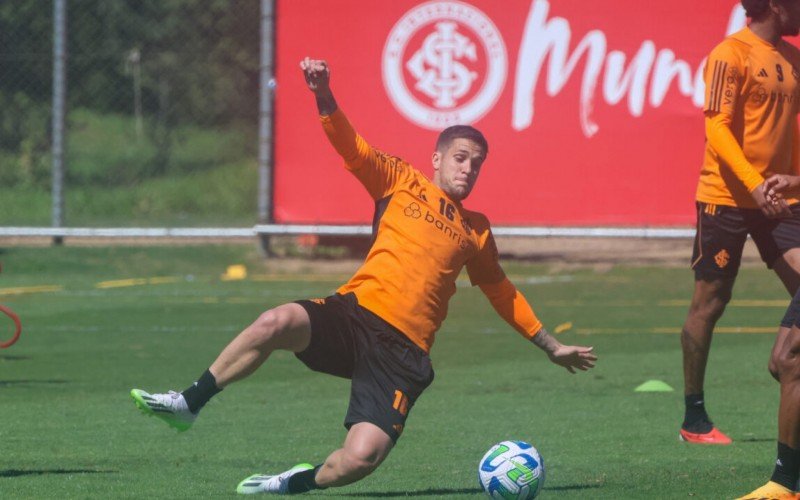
pixel 317 74
pixel 771 210
pixel 573 357
pixel 780 185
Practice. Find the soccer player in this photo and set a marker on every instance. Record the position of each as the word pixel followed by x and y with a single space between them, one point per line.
pixel 786 362
pixel 751 107
pixel 378 328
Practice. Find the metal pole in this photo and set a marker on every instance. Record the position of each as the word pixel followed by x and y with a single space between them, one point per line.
pixel 59 105
pixel 265 129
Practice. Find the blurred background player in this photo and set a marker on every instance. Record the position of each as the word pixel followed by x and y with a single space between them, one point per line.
pixel 378 328
pixel 783 483
pixel 751 106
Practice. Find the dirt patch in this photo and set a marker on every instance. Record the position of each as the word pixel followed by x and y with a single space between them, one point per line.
pixel 597 250
pixel 591 251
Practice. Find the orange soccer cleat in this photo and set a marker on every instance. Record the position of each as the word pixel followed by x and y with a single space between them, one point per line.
pixel 771 491
pixel 714 436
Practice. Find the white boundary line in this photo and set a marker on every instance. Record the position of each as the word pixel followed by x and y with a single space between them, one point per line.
pixel 337 230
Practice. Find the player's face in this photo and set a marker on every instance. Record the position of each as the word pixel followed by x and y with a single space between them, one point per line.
pixel 457 168
pixel 789 14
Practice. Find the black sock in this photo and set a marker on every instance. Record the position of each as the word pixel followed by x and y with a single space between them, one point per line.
pixel 696 419
pixel 198 394
pixel 786 470
pixel 304 481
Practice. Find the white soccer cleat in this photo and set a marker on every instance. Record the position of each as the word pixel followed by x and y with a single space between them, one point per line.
pixel 277 485
pixel 170 407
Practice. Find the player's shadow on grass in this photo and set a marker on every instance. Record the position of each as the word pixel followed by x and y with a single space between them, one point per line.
pixel 757 440
pixel 45 472
pixel 452 491
pixel 11 357
pixel 413 493
pixel 570 487
pixel 9 383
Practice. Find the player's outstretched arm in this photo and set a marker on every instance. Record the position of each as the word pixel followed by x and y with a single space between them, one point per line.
pixel 778 186
pixel 318 78
pixel 378 172
pixel 571 357
pixel 343 137
pixel 511 305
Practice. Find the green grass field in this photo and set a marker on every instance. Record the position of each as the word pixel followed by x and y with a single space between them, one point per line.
pixel 69 430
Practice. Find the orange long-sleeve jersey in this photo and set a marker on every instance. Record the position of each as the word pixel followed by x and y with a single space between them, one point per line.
pixel 751 105
pixel 423 239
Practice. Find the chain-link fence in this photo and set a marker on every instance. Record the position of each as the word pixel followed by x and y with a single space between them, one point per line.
pixel 167 123
pixel 162 109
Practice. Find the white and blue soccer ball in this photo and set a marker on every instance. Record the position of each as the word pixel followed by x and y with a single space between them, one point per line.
pixel 511 470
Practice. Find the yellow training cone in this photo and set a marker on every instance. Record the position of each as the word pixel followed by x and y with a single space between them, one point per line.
pixel 235 272
pixel 654 386
pixel 563 327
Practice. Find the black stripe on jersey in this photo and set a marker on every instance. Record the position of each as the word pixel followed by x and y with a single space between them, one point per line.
pixel 380 208
pixel 712 92
pixel 717 86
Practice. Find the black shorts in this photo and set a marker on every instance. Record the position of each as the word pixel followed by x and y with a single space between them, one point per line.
pixel 792 316
pixel 722 231
pixel 388 371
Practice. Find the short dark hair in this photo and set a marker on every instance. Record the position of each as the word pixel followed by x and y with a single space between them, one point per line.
pixel 754 8
pixel 450 134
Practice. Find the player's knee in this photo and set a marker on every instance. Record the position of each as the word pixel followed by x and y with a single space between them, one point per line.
pixel 786 364
pixel 267 326
pixel 360 462
pixel 772 366
pixel 711 307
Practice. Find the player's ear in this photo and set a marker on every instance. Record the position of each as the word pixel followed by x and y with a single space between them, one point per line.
pixel 436 159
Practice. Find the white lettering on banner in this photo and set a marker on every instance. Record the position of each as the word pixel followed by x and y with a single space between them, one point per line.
pixel 542 38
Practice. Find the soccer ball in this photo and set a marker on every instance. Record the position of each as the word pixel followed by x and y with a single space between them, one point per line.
pixel 511 470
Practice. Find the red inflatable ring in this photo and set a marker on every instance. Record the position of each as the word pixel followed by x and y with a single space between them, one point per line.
pixel 11 314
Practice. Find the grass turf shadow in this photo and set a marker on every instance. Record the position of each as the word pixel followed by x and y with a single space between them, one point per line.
pixel 44 472
pixel 571 487
pixel 452 491
pixel 11 357
pixel 10 383
pixel 414 493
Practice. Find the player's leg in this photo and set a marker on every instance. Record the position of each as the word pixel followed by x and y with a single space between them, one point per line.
pixel 365 448
pixel 718 245
pixel 787 267
pixel 785 475
pixel 389 372
pixel 789 410
pixel 708 303
pixel 284 327
pixel 778 243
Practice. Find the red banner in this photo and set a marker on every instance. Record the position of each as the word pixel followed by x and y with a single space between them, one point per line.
pixel 592 110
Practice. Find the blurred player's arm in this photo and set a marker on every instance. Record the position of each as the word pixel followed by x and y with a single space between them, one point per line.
pixel 382 171
pixel 512 306
pixel 779 186
pixel 720 137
